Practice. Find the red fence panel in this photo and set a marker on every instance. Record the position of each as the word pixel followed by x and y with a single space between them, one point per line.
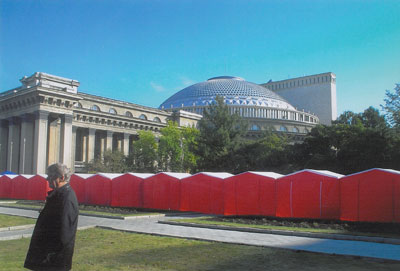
pixel 126 190
pixel 371 195
pixel 6 186
pixel 78 184
pixel 38 187
pixel 309 194
pixel 98 188
pixel 162 191
pixel 206 193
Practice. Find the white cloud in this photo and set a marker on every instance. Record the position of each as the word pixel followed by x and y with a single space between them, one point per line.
pixel 157 87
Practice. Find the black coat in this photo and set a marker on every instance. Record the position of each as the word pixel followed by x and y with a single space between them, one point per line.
pixel 53 239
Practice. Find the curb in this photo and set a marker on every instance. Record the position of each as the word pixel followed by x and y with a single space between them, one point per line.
pixel 14 228
pixel 393 241
pixel 122 217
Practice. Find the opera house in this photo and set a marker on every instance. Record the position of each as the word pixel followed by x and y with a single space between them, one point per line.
pixel 47 120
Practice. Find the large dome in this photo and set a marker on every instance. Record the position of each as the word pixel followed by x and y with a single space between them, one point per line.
pixel 234 90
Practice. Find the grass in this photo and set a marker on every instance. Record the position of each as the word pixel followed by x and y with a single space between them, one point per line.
pixel 98 249
pixel 85 209
pixel 10 220
pixel 333 227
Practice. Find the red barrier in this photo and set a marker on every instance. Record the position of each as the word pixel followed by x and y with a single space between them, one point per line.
pixel 205 191
pixel 250 193
pixel 21 187
pixel 162 191
pixel 78 184
pixel 98 189
pixel 38 187
pixel 309 194
pixel 126 190
pixel 372 195
pixel 6 186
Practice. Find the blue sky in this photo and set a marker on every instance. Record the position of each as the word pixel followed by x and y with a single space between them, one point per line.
pixel 143 51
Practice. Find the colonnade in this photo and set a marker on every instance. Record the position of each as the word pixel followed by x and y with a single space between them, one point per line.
pixel 31 142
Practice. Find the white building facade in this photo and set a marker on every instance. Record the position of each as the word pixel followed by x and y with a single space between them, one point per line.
pixel 46 120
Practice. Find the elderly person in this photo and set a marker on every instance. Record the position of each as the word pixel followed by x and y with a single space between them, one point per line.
pixel 53 239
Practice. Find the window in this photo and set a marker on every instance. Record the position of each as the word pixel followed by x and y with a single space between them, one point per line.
pixel 157 119
pixel 283 129
pixel 95 108
pixel 295 130
pixel 255 127
pixel 112 111
pixel 128 114
pixel 77 105
pixel 143 117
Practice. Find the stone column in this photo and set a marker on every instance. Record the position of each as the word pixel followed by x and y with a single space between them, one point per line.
pixel 40 148
pixel 109 140
pixel 13 145
pixel 26 145
pixel 73 148
pixel 3 144
pixel 54 136
pixel 66 140
pixel 126 144
pixel 90 144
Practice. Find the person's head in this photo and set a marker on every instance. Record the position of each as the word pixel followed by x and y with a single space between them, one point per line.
pixel 57 175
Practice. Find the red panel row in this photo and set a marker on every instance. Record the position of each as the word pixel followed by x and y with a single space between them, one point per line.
pixel 372 195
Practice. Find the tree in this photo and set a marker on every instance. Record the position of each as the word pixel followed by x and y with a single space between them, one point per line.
pixel 220 135
pixel 190 144
pixel 392 106
pixel 144 154
pixel 267 153
pixel 170 148
pixel 111 162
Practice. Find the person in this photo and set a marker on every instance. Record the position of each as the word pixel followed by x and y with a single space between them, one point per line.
pixel 53 239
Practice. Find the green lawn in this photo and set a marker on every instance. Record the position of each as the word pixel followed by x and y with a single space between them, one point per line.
pixel 300 226
pixel 10 220
pixel 98 249
pixel 85 209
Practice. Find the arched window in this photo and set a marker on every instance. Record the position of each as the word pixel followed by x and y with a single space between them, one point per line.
pixel 77 105
pixel 112 111
pixel 143 117
pixel 128 114
pixel 95 108
pixel 255 127
pixel 283 129
pixel 157 119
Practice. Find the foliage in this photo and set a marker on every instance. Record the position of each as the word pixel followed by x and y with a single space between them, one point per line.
pixel 221 134
pixel 267 153
pixel 354 142
pixel 175 149
pixel 111 162
pixel 144 153
pixel 392 106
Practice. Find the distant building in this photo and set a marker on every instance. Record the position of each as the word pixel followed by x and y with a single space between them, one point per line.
pixel 292 106
pixel 313 93
pixel 47 120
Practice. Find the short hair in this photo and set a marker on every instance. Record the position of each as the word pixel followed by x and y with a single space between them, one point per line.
pixel 59 170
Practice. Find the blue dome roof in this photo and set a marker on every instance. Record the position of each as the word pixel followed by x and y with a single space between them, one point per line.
pixel 234 90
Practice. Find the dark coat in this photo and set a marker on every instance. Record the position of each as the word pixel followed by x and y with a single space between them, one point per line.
pixel 53 239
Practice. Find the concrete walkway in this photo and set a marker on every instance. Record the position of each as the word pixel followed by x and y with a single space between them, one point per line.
pixel 151 226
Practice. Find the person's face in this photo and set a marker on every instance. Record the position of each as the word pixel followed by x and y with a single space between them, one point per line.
pixel 53 181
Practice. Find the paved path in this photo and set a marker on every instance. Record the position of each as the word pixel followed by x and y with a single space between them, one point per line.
pixel 151 226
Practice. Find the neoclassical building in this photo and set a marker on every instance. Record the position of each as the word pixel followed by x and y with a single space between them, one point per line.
pixel 47 120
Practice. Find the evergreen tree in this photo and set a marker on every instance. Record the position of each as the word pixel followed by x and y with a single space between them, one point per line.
pixel 221 134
